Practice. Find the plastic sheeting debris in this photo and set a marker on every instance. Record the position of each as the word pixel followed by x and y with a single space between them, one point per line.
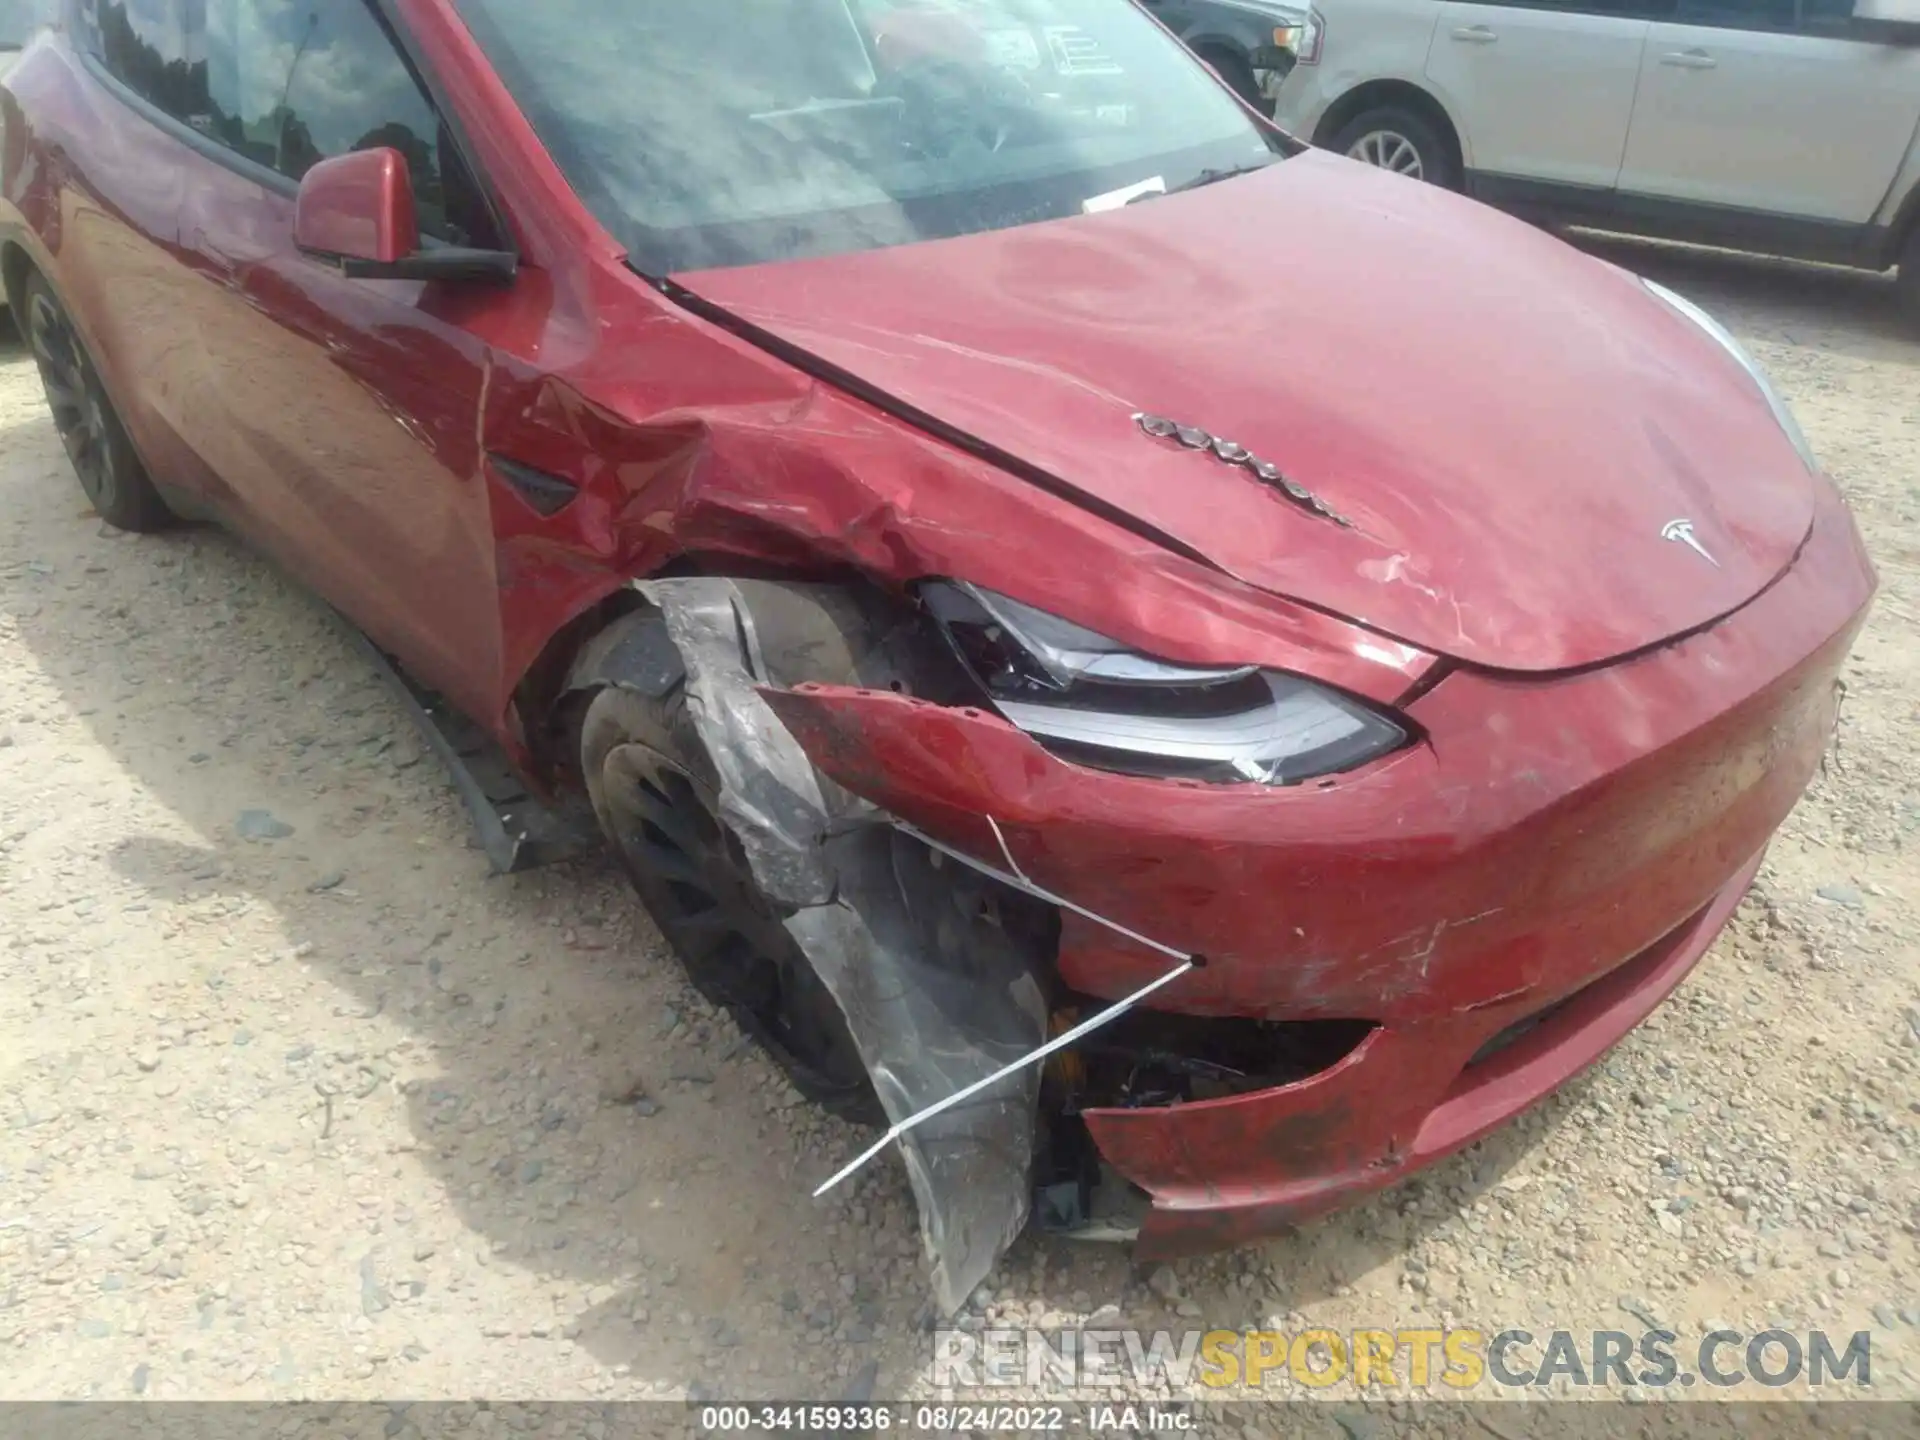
pixel 938 993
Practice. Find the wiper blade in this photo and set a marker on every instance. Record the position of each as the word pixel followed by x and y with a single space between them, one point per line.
pixel 1210 177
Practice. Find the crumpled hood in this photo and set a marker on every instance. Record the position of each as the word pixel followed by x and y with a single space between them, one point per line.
pixel 1509 424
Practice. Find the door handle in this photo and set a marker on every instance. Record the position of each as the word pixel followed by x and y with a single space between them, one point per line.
pixel 1689 60
pixel 1475 34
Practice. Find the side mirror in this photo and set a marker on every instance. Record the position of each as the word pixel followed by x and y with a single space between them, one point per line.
pixel 356 211
pixel 357 206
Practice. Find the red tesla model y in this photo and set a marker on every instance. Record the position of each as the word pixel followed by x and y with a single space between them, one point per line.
pixel 984 526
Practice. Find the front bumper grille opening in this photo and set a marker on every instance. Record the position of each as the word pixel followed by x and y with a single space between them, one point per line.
pixel 1147 1058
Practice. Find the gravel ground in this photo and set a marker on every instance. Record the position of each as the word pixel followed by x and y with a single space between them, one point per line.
pixel 295 1100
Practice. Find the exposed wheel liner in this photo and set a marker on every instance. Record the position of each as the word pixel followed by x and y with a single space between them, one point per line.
pixel 936 992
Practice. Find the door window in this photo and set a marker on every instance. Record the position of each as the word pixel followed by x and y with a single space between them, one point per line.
pixel 1812 17
pixel 293 82
pixel 1609 9
pixel 1827 17
pixel 287 84
pixel 143 44
pixel 1737 14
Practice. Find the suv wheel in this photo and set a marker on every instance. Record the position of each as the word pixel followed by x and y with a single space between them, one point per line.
pixel 1400 140
pixel 1908 282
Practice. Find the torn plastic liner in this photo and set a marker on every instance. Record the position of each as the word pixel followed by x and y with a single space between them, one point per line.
pixel 938 990
pixel 781 808
pixel 957 1098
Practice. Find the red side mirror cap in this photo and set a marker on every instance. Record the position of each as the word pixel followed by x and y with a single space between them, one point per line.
pixel 358 206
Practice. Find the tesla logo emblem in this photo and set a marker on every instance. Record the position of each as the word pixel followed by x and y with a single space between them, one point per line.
pixel 1682 531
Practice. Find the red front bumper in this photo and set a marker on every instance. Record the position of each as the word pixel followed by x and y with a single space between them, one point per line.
pixel 1570 843
pixel 1334 1136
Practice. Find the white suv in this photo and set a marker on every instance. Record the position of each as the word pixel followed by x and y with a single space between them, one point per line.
pixel 1785 126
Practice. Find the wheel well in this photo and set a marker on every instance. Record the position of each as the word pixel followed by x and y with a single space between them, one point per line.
pixel 1213 51
pixel 1391 92
pixel 549 709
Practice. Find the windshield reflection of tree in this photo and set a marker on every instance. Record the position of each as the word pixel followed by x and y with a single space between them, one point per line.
pixel 177 87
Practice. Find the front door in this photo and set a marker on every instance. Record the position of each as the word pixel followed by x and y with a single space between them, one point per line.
pixel 342 415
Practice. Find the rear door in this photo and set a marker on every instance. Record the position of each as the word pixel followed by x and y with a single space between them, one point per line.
pixel 1544 91
pixel 1767 105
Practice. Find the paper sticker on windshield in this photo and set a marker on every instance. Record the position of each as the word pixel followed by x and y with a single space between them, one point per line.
pixel 1012 49
pixel 1075 52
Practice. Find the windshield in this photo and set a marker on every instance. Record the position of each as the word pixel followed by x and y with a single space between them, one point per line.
pixel 708 133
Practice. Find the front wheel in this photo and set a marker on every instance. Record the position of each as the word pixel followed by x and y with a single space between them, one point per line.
pixel 656 794
pixel 1396 139
pixel 115 481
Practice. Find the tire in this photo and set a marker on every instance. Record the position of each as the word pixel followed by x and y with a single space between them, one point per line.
pixel 1908 281
pixel 110 473
pixel 657 796
pixel 1404 141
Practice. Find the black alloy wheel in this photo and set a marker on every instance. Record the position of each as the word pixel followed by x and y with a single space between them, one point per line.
pixel 111 475
pixel 657 798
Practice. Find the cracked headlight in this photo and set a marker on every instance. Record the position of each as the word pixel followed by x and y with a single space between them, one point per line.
pixel 1745 361
pixel 1090 699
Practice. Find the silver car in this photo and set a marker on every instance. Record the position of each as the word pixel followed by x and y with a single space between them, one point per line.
pixel 1790 127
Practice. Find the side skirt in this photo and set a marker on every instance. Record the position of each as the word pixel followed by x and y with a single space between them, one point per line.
pixel 517 830
pixel 1759 232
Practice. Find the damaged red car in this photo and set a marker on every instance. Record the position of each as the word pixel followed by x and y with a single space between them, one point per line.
pixel 1007 547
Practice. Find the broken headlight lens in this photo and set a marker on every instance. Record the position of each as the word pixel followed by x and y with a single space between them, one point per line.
pixel 1090 699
